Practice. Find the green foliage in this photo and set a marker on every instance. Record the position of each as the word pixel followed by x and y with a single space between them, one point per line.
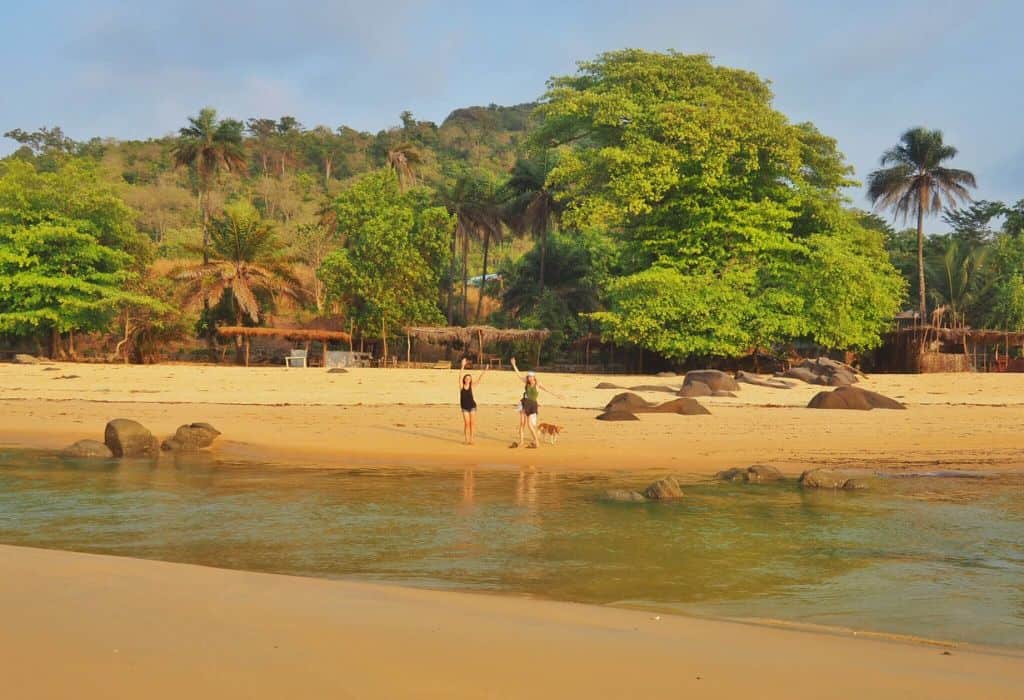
pixel 396 246
pixel 57 277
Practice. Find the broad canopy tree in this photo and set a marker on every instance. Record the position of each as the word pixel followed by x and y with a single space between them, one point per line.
pixel 728 216
pixel 388 273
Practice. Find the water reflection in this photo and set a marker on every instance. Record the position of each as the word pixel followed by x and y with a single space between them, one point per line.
pixel 939 558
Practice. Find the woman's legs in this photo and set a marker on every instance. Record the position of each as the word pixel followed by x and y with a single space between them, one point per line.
pixel 472 426
pixel 531 421
pixel 467 426
pixel 522 424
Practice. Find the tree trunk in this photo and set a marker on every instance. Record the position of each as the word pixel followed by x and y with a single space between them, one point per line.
pixel 543 254
pixel 205 213
pixel 465 276
pixel 327 174
pixel 241 355
pixel 384 341
pixel 71 345
pixel 451 279
pixel 920 256
pixel 483 279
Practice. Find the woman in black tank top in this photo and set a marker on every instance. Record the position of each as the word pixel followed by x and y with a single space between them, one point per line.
pixel 467 403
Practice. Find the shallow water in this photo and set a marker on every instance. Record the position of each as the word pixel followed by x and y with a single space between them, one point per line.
pixel 935 557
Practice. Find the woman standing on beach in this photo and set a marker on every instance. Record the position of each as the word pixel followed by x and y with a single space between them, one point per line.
pixel 528 405
pixel 467 403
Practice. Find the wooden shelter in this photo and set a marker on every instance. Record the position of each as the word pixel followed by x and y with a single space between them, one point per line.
pixel 299 335
pixel 467 336
pixel 957 349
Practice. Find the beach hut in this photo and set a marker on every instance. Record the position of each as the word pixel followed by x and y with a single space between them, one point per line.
pixel 296 335
pixel 470 336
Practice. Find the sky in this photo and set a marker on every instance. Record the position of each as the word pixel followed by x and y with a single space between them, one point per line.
pixel 862 71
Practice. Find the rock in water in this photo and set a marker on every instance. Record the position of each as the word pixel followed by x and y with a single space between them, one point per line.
pixel 666 489
pixel 757 473
pixel 88 448
pixel 624 496
pixel 191 437
pixel 825 478
pixel 853 398
pixel 128 438
pixel 617 415
pixel 716 380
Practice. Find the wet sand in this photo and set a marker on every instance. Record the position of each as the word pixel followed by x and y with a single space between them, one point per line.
pixel 368 416
pixel 90 626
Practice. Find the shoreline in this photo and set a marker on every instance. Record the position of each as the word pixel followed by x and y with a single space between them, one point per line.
pixel 120 627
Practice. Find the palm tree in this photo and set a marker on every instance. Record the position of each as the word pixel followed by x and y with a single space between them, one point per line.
pixel 532 207
pixel 244 260
pixel 209 146
pixel 475 201
pixel 916 182
pixel 403 158
pixel 957 278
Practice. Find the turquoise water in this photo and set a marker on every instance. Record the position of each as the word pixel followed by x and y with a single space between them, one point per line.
pixel 935 557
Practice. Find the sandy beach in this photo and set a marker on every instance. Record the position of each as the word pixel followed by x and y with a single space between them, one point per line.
pixel 89 626
pixel 411 417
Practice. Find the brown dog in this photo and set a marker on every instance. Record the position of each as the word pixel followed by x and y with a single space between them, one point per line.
pixel 550 430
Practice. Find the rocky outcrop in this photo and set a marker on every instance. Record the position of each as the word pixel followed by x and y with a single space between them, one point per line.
pixel 853 398
pixel 628 401
pixel 704 382
pixel 191 437
pixel 680 406
pixel 128 438
pixel 827 478
pixel 93 449
pixel 23 359
pixel 757 473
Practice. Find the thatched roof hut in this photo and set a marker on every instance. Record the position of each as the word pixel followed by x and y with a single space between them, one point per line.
pixel 296 335
pixel 467 336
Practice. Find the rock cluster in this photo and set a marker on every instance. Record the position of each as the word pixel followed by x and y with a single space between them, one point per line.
pixel 124 437
pixel 708 382
pixel 626 405
pixel 826 478
pixel 666 489
pixel 757 473
pixel 824 372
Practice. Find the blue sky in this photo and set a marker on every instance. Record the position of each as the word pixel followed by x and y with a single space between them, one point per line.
pixel 862 71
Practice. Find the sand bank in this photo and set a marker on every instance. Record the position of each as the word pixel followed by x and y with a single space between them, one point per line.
pixel 370 416
pixel 89 626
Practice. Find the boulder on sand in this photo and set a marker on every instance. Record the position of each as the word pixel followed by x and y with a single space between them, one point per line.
pixel 608 385
pixel 666 489
pixel 629 402
pixel 854 398
pixel 191 437
pixel 826 478
pixel 692 389
pixel 824 372
pixel 653 387
pixel 88 448
pixel 757 473
pixel 771 383
pixel 23 359
pixel 617 416
pixel 128 438
pixel 682 406
pixel 716 380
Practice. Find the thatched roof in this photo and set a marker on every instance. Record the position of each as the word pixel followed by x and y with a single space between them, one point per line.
pixel 441 335
pixel 286 333
pixel 978 336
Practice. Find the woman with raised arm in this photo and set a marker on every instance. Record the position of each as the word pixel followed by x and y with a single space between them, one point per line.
pixel 467 402
pixel 528 405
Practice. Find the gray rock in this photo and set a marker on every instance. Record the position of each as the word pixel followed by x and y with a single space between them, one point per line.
pixel 771 382
pixel 128 438
pixel 666 489
pixel 23 359
pixel 624 496
pixel 763 472
pixel 88 448
pixel 723 394
pixel 681 406
pixel 734 474
pixel 629 402
pixel 855 484
pixel 694 389
pixel 337 370
pixel 192 437
pixel 715 379
pixel 826 478
pixel 666 374
pixel 853 398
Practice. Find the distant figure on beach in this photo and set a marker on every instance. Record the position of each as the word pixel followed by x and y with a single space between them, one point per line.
pixel 467 402
pixel 528 407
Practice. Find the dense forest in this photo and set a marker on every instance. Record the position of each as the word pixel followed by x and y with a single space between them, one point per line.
pixel 656 200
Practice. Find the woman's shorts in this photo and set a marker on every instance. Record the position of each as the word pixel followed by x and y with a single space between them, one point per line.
pixel 529 407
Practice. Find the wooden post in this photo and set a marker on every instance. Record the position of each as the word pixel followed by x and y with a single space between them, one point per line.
pixel 480 340
pixel 323 356
pixel 408 349
pixel 246 351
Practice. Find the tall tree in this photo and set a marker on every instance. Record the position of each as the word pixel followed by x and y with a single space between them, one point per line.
pixel 914 182
pixel 403 160
pixel 533 208
pixel 244 261
pixel 209 146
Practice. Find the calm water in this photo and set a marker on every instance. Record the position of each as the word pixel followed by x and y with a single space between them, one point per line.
pixel 936 557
